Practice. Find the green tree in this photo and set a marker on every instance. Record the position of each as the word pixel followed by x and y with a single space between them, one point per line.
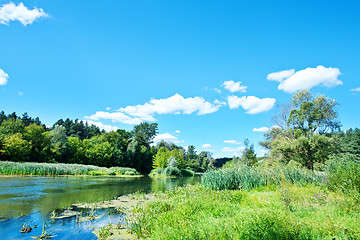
pixel 15 148
pixel 145 132
pixel 161 158
pixel 248 156
pixel 308 139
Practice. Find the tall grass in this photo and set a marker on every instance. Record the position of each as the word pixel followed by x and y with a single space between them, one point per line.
pixel 57 169
pixel 343 172
pixel 195 212
pixel 244 177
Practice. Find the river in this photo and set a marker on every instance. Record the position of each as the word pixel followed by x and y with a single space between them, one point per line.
pixel 30 199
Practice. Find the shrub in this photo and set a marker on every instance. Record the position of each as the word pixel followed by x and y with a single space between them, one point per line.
pixel 172 171
pixel 343 172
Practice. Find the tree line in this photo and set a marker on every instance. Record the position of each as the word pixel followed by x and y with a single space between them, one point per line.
pixel 27 139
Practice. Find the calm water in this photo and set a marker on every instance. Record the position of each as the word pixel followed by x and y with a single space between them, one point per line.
pixel 31 199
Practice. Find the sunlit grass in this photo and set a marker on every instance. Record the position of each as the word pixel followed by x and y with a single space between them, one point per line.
pixel 196 212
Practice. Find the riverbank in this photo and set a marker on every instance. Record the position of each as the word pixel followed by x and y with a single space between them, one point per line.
pixel 271 212
pixel 62 169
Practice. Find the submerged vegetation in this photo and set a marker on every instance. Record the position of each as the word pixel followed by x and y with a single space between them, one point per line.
pixel 51 169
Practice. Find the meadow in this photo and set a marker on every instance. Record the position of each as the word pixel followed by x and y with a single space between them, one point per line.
pixel 257 203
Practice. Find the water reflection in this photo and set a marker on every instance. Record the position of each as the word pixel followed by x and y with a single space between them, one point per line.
pixel 25 195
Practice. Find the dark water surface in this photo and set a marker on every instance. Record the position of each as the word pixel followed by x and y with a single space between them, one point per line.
pixel 30 200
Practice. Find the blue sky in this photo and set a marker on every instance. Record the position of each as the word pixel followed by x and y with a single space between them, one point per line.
pixel 178 63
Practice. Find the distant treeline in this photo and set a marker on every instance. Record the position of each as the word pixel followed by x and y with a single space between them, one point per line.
pixel 27 139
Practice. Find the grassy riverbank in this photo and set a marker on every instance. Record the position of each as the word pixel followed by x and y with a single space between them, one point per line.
pixel 258 203
pixel 60 169
pixel 272 212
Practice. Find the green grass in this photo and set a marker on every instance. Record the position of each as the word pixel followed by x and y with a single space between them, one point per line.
pixel 284 211
pixel 244 177
pixel 57 169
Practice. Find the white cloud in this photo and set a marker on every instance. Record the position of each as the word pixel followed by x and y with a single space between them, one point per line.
pixel 280 76
pixel 262 129
pixel 102 126
pixel 176 104
pixel 166 137
pixel 355 89
pixel 10 12
pixel 3 77
pixel 108 108
pixel 309 78
pixel 232 149
pixel 177 131
pixel 252 104
pixel 217 90
pixel 234 86
pixel 217 102
pixel 231 141
pixel 115 117
pixel 20 93
pixel 206 145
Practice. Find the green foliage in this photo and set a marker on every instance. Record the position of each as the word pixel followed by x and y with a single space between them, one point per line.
pixel 244 177
pixel 161 158
pixel 248 156
pixel 350 142
pixel 172 163
pixel 343 173
pixel 313 114
pixel 187 173
pixel 15 148
pixel 172 172
pixel 145 132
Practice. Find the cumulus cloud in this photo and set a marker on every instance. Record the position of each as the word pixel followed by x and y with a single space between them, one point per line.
pixel 353 90
pixel 3 77
pixel 307 78
pixel 107 128
pixel 206 145
pixel 231 141
pixel 280 76
pixel 11 12
pixel 262 129
pixel 166 137
pixel 177 131
pixel 252 104
pixel 234 86
pixel 115 117
pixel 176 104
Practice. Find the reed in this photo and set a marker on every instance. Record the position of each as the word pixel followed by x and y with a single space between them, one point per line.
pixel 57 169
pixel 243 177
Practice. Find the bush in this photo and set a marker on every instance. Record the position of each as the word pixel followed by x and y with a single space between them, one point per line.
pixel 293 163
pixel 343 172
pixel 172 171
